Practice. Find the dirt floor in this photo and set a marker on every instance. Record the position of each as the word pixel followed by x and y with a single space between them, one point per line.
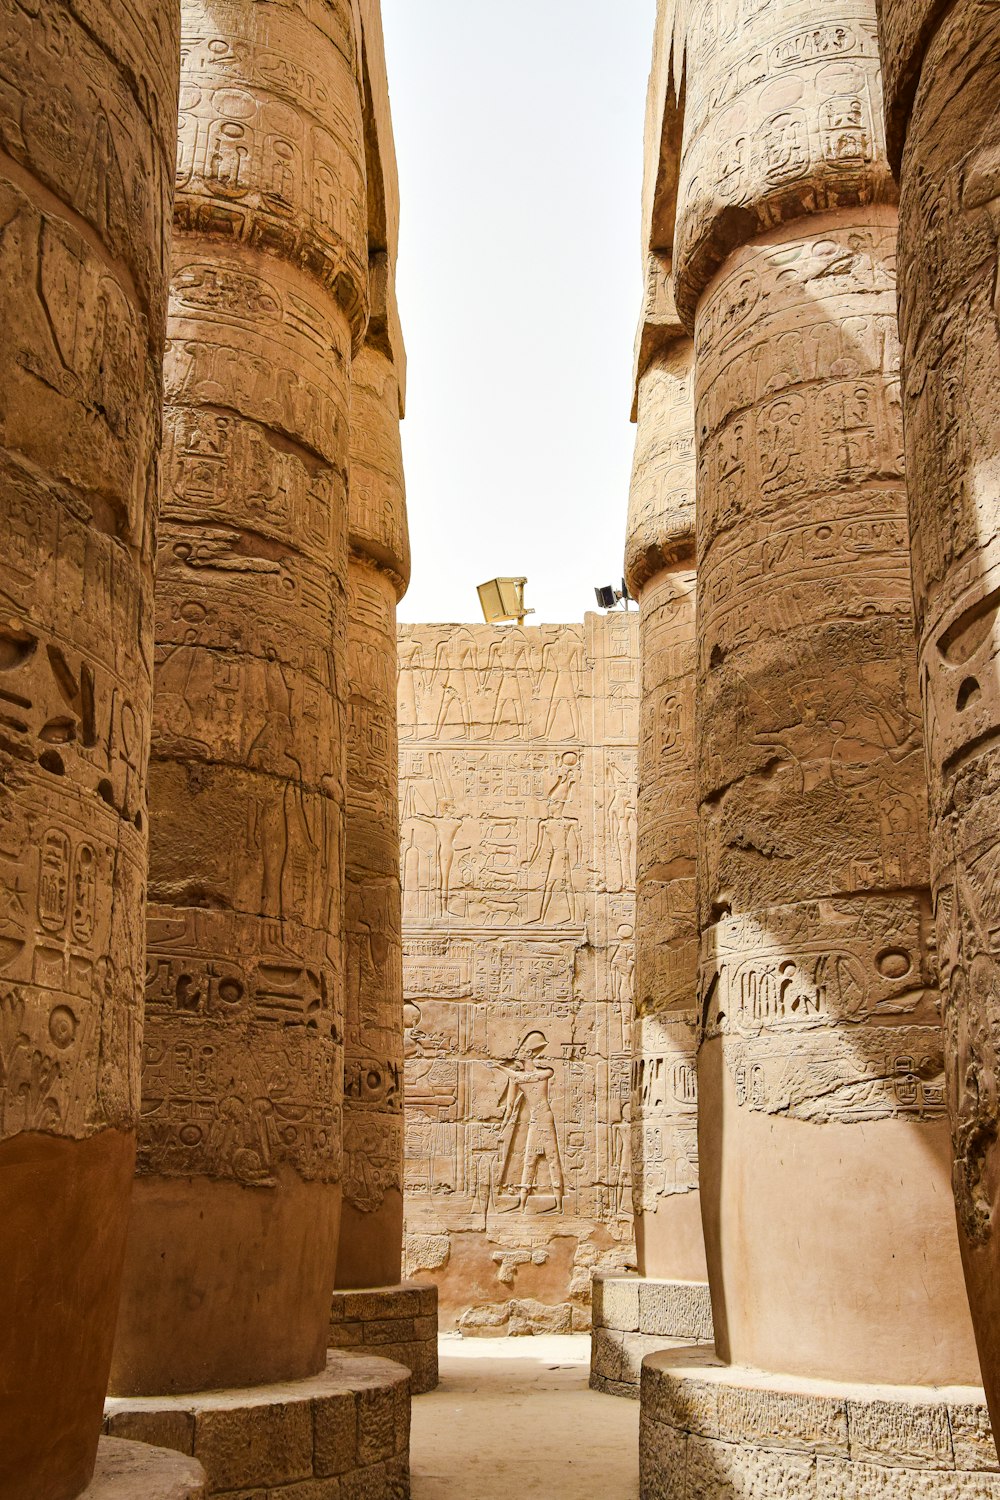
pixel 513 1419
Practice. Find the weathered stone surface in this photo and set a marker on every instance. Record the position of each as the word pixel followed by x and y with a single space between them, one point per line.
pixel 128 1470
pixel 821 1095
pixel 393 1322
pixel 943 70
pixel 723 1431
pixel 85 203
pixel 371 1241
pixel 242 1134
pixel 518 847
pixel 343 1433
pixel 659 562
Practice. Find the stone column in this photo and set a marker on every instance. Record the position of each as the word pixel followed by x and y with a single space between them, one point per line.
pixel 87 107
pixel 942 76
pixel 823 1139
pixel 371 1243
pixel 669 1299
pixel 661 576
pixel 233 1238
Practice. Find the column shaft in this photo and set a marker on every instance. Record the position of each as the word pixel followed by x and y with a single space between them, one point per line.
pixel 234 1232
pixel 943 75
pixel 371 1242
pixel 660 573
pixel 822 1130
pixel 87 109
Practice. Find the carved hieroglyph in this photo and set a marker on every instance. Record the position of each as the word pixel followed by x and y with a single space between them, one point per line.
pixel 242 1083
pixel 371 1236
pixel 86 155
pixel 943 71
pixel 821 1069
pixel 660 573
pixel 517 793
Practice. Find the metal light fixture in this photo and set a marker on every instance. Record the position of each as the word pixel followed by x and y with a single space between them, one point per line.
pixel 502 601
pixel 610 597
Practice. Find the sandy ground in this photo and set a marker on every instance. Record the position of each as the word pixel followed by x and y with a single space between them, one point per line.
pixel 513 1419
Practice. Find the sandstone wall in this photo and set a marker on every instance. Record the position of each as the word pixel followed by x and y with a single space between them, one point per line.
pixel 517 788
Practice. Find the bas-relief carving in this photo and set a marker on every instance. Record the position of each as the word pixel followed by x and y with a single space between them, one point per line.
pixel 783 117
pixel 88 99
pixel 943 66
pixel 810 714
pixel 659 560
pixel 377 574
pixel 518 857
pixel 271 149
pixel 246 969
pixel 79 424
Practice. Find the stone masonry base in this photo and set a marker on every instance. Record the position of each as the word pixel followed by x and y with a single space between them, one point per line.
pixel 394 1322
pixel 344 1435
pixel 716 1432
pixel 127 1470
pixel 637 1315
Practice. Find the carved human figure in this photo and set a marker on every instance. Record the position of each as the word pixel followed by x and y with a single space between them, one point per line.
pixel 942 66
pixel 241 1141
pixel 86 190
pixel 529 1143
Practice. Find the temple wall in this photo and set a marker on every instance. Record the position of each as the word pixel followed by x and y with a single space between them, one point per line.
pixel 517 788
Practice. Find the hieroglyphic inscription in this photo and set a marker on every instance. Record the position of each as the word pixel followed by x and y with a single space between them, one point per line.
pixel 517 799
pixel 246 960
pixel 810 712
pixel 377 573
pixel 943 67
pixel 84 220
pixel 785 120
pixel 660 568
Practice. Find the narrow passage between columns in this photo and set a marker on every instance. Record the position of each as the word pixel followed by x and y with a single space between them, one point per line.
pixel 513 1419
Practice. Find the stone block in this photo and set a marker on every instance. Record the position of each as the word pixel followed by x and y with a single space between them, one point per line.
pixel 163 1429
pixel 383 1481
pixel 972 1437
pixel 675 1309
pixel 917 1435
pixel 336 1435
pixel 616 1303
pixel 128 1471
pixel 662 1462
pixel 377 1421
pixel 256 1443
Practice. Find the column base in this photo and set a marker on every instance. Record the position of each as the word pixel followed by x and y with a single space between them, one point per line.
pixel 638 1315
pixel 125 1470
pixel 393 1322
pixel 710 1431
pixel 343 1435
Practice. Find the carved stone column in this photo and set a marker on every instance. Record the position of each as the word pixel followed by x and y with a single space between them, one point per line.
pixel 942 75
pixel 669 1299
pixel 661 575
pixel 371 1245
pixel 234 1227
pixel 87 108
pixel 823 1139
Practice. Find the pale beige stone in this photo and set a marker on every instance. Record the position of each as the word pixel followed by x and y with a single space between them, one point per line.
pixel 86 188
pixel 127 1470
pixel 518 850
pixel 242 1136
pixel 349 1425
pixel 821 1069
pixel 710 1429
pixel 942 71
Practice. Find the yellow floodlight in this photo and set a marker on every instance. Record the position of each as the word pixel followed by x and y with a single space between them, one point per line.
pixel 502 600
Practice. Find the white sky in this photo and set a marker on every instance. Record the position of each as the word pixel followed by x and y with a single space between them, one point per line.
pixel 519 135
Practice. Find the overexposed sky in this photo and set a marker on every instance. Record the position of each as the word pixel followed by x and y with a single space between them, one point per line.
pixel 519 136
